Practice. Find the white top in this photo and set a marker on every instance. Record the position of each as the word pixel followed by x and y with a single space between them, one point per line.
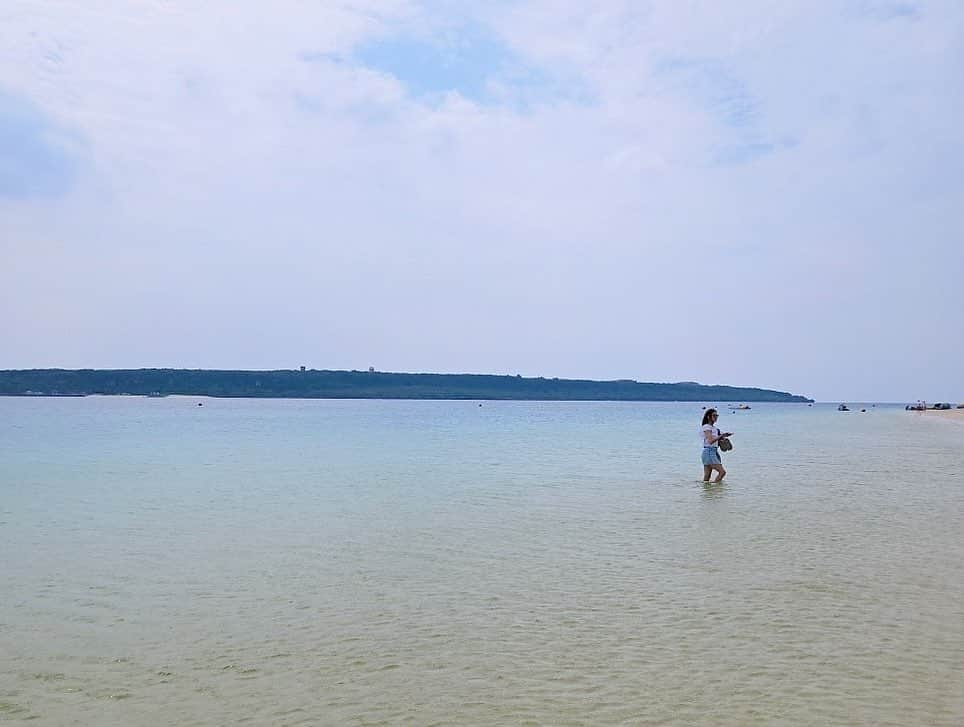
pixel 708 431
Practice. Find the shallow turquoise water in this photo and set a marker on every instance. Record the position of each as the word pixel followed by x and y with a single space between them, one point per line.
pixel 382 562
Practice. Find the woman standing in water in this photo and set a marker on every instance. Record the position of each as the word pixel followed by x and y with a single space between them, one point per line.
pixel 711 452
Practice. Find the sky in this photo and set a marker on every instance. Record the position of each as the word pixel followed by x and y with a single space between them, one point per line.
pixel 758 193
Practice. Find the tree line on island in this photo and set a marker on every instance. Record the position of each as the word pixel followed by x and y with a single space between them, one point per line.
pixel 324 384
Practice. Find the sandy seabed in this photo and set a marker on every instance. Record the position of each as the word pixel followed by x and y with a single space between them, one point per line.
pixel 956 415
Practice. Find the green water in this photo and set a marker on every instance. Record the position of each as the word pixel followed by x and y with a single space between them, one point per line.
pixel 378 562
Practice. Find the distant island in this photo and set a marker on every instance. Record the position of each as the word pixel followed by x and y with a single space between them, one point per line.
pixel 323 384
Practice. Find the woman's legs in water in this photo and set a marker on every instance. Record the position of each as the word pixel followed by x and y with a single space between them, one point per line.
pixel 720 472
pixel 706 472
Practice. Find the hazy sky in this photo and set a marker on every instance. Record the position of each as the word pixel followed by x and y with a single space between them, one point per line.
pixel 765 193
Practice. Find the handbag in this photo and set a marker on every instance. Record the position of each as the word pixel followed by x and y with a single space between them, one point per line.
pixel 725 444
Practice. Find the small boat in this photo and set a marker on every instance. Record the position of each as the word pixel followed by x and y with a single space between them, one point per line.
pixel 843 407
pixel 741 407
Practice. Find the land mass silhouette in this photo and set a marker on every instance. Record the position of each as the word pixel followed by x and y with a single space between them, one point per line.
pixel 326 384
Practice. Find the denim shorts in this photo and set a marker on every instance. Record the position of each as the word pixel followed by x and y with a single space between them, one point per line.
pixel 711 455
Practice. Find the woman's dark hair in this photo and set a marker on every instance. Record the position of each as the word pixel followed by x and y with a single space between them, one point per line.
pixel 709 413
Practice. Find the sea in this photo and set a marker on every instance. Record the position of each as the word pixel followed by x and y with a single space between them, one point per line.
pixel 195 561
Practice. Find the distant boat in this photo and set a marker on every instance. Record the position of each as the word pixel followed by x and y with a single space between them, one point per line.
pixel 741 407
pixel 843 407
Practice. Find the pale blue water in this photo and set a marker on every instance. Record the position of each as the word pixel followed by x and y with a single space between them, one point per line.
pixel 377 562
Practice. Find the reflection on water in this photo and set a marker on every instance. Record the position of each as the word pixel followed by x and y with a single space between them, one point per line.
pixel 713 490
pixel 292 562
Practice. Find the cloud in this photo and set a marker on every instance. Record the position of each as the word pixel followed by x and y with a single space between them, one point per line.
pixel 887 10
pixel 36 155
pixel 535 187
pixel 717 92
